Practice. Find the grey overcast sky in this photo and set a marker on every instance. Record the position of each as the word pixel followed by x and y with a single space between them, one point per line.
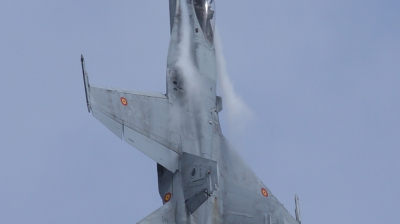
pixel 321 77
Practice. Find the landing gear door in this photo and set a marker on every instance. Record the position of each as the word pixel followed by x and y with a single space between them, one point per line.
pixel 199 180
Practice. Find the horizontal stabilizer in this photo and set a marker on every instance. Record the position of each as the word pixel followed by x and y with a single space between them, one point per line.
pixel 165 214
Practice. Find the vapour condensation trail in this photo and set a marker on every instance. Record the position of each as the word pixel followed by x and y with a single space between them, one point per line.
pixel 239 114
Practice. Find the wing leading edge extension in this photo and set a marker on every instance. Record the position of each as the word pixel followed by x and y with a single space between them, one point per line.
pixel 139 118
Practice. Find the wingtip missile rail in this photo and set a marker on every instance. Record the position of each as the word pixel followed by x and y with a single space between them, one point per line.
pixel 297 210
pixel 85 82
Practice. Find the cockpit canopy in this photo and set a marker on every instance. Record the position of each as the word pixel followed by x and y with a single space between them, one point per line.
pixel 205 12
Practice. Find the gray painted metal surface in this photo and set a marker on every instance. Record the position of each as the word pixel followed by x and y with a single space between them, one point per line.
pixel 165 214
pixel 201 178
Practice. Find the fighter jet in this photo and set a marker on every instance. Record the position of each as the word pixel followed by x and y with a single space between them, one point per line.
pixel 201 178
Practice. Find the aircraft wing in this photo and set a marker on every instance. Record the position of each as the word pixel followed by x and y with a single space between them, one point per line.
pixel 165 214
pixel 139 118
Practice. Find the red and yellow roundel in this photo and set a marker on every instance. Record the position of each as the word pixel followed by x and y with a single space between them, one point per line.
pixel 167 197
pixel 264 192
pixel 124 101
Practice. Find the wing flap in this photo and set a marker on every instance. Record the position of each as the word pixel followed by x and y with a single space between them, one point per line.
pixel 159 153
pixel 110 123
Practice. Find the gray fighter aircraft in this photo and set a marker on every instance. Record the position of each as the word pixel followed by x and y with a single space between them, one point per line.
pixel 201 178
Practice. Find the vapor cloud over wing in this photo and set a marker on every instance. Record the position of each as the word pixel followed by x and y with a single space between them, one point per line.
pixel 239 114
